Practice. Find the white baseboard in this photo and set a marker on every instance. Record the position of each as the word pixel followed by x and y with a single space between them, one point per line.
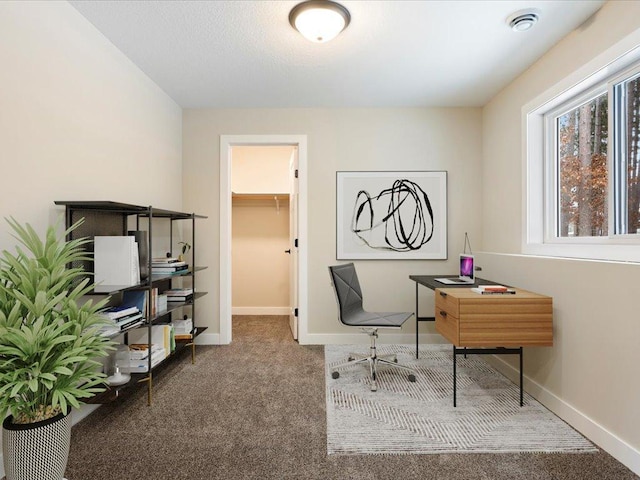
pixel 260 310
pixel 603 438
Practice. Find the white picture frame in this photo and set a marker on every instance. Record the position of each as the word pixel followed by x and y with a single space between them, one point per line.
pixel 391 215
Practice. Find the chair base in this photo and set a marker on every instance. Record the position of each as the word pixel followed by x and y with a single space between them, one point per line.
pixel 373 360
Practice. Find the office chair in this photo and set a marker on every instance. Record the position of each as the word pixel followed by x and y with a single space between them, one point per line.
pixel 351 313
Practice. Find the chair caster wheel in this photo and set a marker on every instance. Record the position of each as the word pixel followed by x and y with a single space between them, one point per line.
pixel 412 378
pixel 336 374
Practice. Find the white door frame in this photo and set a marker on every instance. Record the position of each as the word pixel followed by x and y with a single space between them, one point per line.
pixel 226 142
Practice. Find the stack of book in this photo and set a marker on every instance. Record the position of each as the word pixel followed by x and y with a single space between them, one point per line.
pixel 179 294
pixel 123 316
pixel 182 328
pixel 493 290
pixel 161 335
pixel 168 266
pixel 139 358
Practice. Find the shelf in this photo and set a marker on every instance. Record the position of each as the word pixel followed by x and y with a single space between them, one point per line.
pixel 107 218
pixel 181 273
pixel 116 392
pixel 248 199
pixel 113 289
pixel 126 209
pixel 172 306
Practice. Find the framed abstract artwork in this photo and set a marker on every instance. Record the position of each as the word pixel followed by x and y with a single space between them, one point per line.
pixel 391 215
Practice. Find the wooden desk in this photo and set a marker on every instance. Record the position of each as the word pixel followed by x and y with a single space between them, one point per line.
pixel 468 319
pixel 488 324
pixel 431 283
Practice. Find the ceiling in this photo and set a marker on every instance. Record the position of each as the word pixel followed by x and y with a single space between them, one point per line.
pixel 244 54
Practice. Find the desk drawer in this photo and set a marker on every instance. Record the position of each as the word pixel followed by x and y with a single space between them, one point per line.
pixel 447 314
pixel 447 303
pixel 448 326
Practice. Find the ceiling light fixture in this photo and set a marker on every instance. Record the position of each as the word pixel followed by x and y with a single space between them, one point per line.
pixel 523 20
pixel 319 20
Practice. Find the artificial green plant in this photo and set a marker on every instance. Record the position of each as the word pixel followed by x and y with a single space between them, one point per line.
pixel 49 334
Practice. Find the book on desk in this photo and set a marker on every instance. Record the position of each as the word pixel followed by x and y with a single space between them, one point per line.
pixel 493 290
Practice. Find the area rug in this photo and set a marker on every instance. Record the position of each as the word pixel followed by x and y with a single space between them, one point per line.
pixel 419 418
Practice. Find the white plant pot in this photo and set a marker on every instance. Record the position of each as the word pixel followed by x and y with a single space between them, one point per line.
pixel 36 451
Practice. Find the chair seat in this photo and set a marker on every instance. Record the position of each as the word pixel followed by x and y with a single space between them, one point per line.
pixel 376 319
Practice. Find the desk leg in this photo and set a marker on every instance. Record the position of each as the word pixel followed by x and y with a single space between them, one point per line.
pixel 417 321
pixel 521 402
pixel 454 375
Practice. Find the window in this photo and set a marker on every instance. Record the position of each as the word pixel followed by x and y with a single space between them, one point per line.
pixel 580 139
pixel 582 195
pixel 627 155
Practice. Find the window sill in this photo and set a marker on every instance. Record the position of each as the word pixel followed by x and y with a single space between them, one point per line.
pixel 606 253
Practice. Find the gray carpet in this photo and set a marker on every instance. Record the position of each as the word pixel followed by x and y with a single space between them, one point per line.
pixel 255 409
pixel 419 417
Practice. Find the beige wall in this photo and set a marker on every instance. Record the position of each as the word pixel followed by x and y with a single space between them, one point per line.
pixel 589 376
pixel 260 169
pixel 78 121
pixel 260 274
pixel 344 139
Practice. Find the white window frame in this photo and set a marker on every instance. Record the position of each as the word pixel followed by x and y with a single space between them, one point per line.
pixel 539 204
pixel 551 168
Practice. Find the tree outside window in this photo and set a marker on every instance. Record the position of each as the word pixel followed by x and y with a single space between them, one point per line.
pixel 582 170
pixel 631 152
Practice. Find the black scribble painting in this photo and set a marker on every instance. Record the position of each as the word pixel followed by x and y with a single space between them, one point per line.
pixel 399 218
pixel 381 215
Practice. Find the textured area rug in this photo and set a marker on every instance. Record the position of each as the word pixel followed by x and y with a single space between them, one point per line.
pixel 404 417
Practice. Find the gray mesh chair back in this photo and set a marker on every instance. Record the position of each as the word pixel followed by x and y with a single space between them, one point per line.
pixel 348 292
pixel 349 296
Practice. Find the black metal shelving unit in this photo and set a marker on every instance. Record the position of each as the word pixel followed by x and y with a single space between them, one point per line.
pixel 113 218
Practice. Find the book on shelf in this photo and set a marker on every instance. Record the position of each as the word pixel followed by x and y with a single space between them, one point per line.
pixel 119 311
pixel 139 351
pixel 142 242
pixel 154 302
pixel 162 302
pixel 138 299
pixel 178 292
pixel 164 260
pixel 183 336
pixel 175 264
pixel 169 270
pixel 183 327
pixel 142 365
pixel 161 335
pixel 493 290
pixel 175 299
pixel 130 321
pixel 116 260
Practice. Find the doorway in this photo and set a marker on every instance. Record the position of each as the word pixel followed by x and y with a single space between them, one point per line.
pixel 298 203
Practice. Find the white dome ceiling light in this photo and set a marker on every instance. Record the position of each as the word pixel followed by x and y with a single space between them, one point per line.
pixel 319 20
pixel 523 20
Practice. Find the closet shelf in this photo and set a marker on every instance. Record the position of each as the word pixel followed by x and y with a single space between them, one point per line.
pixel 260 199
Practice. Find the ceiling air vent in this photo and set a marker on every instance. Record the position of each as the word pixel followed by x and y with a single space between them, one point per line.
pixel 522 21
